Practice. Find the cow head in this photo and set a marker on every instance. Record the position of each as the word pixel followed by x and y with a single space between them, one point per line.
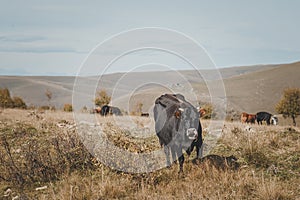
pixel 274 120
pixel 188 121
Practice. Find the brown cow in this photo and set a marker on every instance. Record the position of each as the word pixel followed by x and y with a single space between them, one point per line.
pixel 244 117
pixel 251 119
pixel 97 110
pixel 248 118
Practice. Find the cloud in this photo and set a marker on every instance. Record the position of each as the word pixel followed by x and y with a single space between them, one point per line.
pixel 45 49
pixel 21 38
pixel 33 44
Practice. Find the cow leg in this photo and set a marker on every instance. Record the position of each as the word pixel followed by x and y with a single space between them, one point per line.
pixel 167 153
pixel 180 158
pixel 190 149
pixel 173 155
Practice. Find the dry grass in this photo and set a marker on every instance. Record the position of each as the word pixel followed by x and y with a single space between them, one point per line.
pixel 269 158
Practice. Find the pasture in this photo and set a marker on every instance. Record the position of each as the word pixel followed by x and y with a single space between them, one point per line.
pixel 42 157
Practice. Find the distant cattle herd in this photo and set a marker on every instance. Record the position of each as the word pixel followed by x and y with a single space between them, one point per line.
pixel 259 117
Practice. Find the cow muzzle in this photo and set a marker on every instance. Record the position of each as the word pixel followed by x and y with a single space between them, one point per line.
pixel 192 133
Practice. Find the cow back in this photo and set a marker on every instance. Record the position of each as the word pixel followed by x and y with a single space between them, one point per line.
pixel 164 116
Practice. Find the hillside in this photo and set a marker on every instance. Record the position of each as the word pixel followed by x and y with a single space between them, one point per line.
pixel 261 90
pixel 248 88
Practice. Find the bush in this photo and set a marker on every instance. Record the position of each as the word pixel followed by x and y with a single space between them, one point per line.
pixel 44 108
pixel 68 107
pixel 19 103
pixel 233 115
pixel 209 111
pixel 102 98
pixel 6 101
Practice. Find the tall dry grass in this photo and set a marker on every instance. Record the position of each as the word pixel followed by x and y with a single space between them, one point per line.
pixel 269 159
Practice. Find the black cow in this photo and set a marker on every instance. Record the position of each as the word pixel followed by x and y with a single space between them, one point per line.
pixel 106 109
pixel 177 126
pixel 267 117
pixel 274 120
pixel 115 111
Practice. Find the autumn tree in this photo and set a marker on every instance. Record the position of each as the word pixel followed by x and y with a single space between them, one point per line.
pixel 5 98
pixel 102 98
pixel 289 105
pixel 6 101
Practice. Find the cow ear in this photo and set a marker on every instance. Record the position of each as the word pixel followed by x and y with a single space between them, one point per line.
pixel 178 114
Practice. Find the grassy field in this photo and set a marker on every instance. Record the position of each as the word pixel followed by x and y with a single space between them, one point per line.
pixel 42 157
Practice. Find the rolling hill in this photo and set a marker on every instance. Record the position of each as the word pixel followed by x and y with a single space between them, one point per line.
pixel 248 88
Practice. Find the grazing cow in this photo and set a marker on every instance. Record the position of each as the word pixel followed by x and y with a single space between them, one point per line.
pixel 274 120
pixel 248 118
pixel 251 118
pixel 244 117
pixel 105 110
pixel 177 126
pixel 144 114
pixel 115 111
pixel 267 117
pixel 97 110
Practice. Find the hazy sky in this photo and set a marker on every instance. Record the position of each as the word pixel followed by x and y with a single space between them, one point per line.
pixel 54 37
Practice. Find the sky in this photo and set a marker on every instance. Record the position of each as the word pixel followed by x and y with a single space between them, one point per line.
pixel 56 37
